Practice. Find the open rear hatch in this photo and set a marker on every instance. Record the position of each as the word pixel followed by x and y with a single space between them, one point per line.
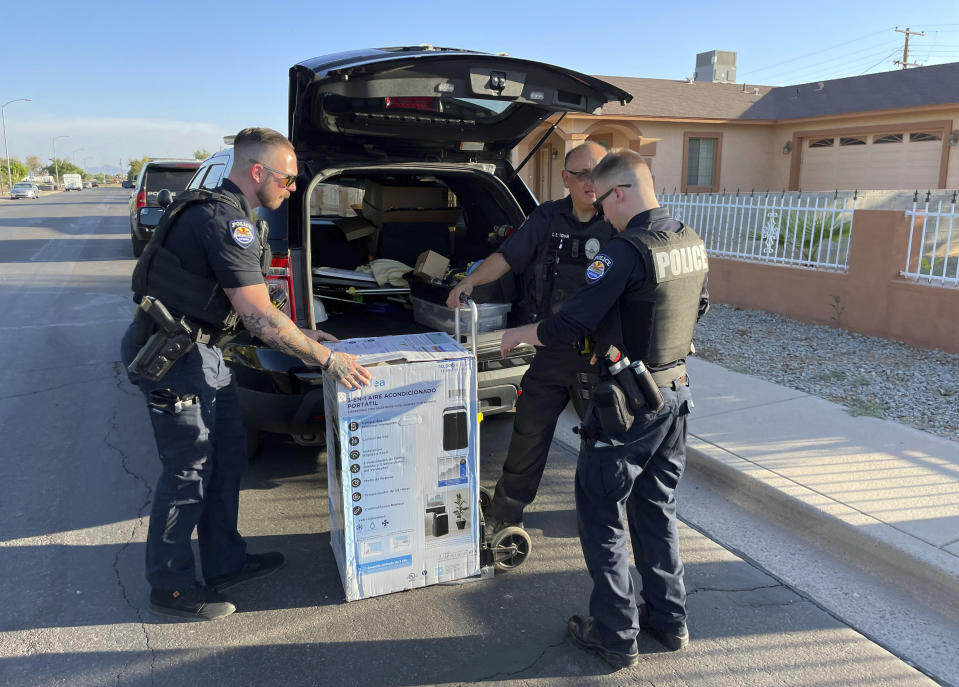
pixel 431 103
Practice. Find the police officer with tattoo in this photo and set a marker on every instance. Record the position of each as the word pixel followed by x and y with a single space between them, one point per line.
pixel 199 279
pixel 644 294
pixel 550 250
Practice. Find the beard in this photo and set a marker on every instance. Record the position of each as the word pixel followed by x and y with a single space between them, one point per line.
pixel 266 200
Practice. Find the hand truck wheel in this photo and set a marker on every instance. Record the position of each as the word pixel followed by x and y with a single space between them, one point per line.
pixel 510 548
pixel 485 498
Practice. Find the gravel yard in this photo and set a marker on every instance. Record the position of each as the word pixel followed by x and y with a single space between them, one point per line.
pixel 870 376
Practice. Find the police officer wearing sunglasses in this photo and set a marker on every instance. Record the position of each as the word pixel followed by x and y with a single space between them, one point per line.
pixel 642 298
pixel 550 251
pixel 200 278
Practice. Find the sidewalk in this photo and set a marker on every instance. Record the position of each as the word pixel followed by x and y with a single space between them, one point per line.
pixel 887 493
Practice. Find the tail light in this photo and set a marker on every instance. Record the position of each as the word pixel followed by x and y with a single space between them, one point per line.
pixel 412 103
pixel 281 274
pixel 141 199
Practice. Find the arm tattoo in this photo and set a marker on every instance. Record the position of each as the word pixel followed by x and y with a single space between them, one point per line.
pixel 274 328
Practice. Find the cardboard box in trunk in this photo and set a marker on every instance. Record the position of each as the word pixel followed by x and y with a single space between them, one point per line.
pixel 383 203
pixel 431 265
pixel 403 466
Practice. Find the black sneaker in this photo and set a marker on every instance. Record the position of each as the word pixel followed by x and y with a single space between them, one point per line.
pixel 256 565
pixel 195 603
pixel 674 641
pixel 582 632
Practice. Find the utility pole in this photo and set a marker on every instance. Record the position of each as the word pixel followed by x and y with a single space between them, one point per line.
pixel 905 50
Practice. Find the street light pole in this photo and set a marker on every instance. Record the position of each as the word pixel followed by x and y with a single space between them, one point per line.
pixel 6 152
pixel 56 165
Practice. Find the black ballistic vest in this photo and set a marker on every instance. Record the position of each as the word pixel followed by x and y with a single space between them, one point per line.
pixel 656 321
pixel 160 274
pixel 558 270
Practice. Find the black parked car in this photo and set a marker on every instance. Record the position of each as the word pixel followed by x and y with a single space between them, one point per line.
pixel 400 150
pixel 155 175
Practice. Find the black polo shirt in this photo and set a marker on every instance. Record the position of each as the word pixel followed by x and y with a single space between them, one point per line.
pixel 532 238
pixel 218 241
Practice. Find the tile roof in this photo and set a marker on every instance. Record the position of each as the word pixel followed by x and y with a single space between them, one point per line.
pixel 915 87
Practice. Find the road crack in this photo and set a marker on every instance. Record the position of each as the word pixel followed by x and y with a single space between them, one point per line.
pixel 721 589
pixel 114 429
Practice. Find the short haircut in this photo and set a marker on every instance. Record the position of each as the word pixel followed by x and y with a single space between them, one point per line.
pixel 579 147
pixel 253 141
pixel 622 166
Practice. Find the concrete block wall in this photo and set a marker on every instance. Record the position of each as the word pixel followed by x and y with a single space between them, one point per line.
pixel 871 298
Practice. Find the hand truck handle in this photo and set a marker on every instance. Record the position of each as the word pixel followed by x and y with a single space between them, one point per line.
pixel 474 312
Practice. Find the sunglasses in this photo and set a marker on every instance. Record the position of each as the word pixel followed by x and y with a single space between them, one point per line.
pixel 581 174
pixel 598 203
pixel 287 179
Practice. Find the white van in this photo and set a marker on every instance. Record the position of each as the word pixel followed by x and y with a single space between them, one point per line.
pixel 72 182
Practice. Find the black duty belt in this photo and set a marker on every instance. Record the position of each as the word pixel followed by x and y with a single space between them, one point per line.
pixel 666 378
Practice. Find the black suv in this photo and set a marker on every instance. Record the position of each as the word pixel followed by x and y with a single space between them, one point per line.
pixel 155 175
pixel 400 150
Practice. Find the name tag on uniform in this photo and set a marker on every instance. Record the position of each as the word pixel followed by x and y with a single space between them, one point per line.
pixel 242 232
pixel 675 263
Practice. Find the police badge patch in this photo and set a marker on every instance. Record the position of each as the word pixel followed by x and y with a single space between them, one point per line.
pixel 592 248
pixel 242 232
pixel 598 267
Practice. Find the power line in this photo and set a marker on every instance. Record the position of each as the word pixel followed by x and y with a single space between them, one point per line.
pixel 816 69
pixel 837 66
pixel 879 62
pixel 817 52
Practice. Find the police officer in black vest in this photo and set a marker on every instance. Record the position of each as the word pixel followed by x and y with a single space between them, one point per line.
pixel 644 294
pixel 198 280
pixel 551 250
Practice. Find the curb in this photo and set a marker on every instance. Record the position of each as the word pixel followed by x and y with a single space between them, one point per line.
pixel 920 569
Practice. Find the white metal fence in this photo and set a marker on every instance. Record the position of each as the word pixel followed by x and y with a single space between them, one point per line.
pixel 933 252
pixel 803 230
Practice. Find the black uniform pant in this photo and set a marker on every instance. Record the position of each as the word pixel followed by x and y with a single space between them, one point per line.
pixel 548 385
pixel 638 476
pixel 203 455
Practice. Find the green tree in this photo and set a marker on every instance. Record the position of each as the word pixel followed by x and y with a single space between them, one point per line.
pixel 18 170
pixel 135 166
pixel 201 154
pixel 64 168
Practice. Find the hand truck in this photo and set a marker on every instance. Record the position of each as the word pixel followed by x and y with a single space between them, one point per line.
pixel 511 546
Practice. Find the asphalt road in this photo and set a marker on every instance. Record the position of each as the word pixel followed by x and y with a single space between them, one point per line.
pixel 79 466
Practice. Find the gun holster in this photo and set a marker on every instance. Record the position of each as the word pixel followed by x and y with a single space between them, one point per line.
pixel 170 341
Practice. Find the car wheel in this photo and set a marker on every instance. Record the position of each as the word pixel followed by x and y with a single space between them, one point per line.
pixel 138 246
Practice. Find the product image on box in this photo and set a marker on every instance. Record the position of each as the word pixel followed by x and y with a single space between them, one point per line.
pixel 403 483
pixel 444 508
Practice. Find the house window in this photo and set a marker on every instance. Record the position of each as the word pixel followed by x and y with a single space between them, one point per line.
pixel 822 143
pixel 702 163
pixel 919 136
pixel 852 141
pixel 888 138
pixel 605 140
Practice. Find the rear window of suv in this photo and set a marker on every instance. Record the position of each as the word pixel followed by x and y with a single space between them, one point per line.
pixel 173 179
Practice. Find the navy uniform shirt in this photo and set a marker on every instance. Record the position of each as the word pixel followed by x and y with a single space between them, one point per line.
pixel 218 241
pixel 615 270
pixel 522 248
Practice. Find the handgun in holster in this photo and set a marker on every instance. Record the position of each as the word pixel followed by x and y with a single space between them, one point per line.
pixel 171 341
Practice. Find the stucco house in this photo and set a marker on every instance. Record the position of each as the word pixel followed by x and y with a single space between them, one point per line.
pixel 892 130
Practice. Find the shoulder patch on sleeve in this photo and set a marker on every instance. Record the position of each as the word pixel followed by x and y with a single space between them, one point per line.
pixel 598 267
pixel 242 232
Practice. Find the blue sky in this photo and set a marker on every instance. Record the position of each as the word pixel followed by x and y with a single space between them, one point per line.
pixel 124 80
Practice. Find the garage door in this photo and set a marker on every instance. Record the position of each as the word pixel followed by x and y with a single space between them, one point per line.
pixel 898 160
